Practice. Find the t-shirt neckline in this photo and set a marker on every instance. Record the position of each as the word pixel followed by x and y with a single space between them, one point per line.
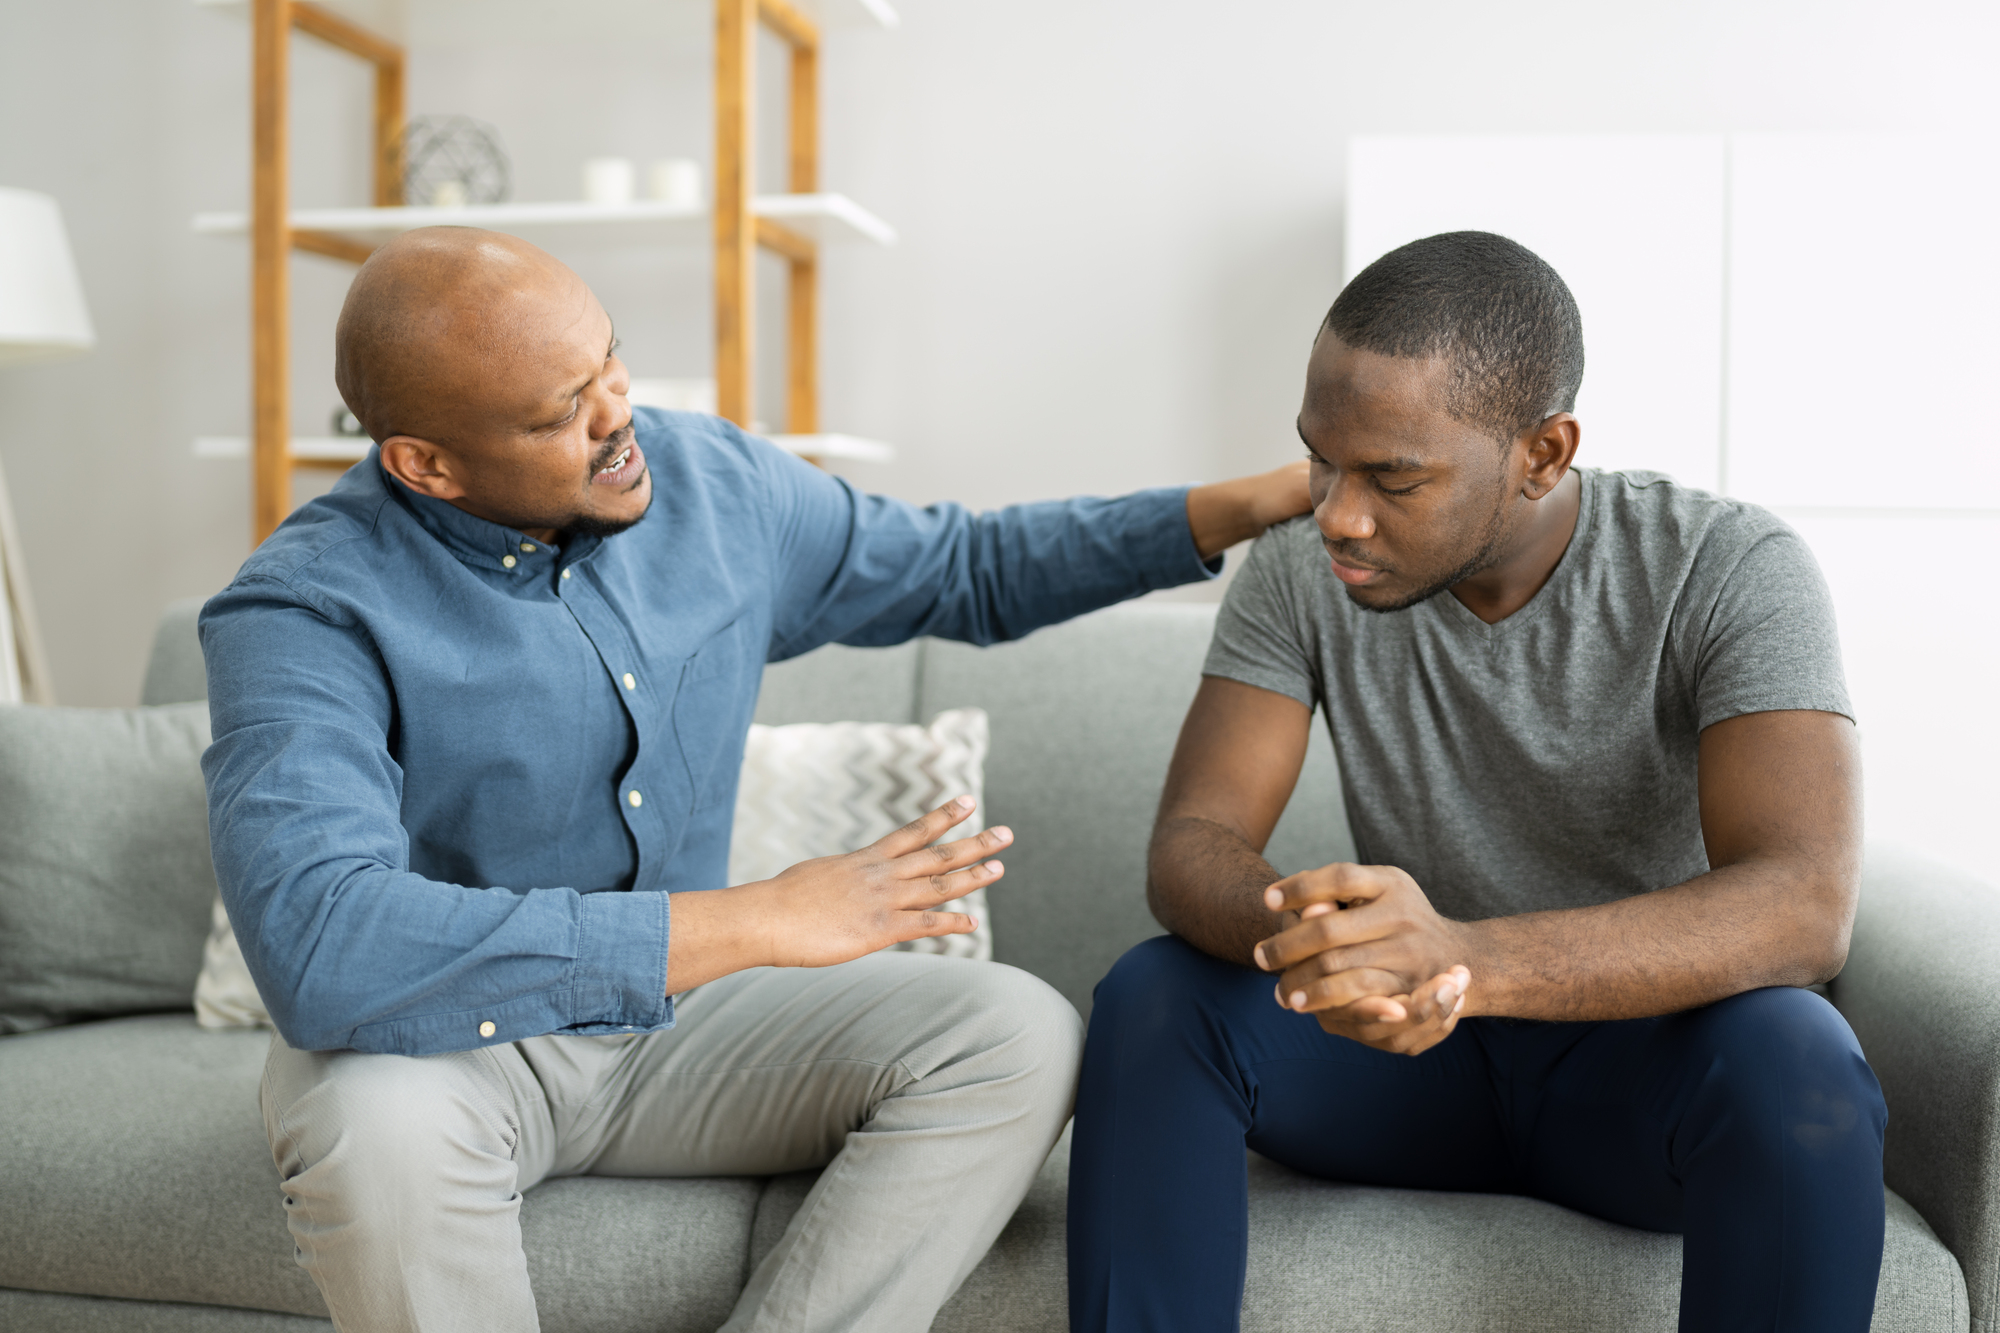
pixel 1457 615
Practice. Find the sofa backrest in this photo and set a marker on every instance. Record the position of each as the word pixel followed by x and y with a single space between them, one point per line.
pixel 1084 718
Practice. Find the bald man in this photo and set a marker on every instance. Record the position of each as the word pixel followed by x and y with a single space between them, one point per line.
pixel 479 714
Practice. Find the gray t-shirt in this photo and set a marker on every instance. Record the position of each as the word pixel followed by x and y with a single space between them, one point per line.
pixel 1547 761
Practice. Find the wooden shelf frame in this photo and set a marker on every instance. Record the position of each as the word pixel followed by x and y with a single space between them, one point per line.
pixel 272 237
pixel 740 230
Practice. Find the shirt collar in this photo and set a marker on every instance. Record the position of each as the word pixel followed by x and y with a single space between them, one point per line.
pixel 476 541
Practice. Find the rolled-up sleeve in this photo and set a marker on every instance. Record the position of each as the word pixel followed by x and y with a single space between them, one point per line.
pixel 349 947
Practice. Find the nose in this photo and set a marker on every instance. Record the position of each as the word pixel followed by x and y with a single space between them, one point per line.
pixel 1343 513
pixel 611 413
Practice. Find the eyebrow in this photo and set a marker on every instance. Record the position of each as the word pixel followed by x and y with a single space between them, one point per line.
pixel 1401 463
pixel 567 394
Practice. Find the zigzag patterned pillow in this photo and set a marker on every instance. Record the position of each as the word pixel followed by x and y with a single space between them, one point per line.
pixel 822 788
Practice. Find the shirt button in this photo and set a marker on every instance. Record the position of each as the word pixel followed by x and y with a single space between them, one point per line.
pixel 508 561
pixel 565 573
pixel 486 1028
pixel 634 798
pixel 527 548
pixel 630 683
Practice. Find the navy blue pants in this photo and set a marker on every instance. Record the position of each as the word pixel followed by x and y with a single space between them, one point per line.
pixel 1752 1127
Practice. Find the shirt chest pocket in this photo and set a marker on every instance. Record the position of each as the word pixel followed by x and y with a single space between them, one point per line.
pixel 712 710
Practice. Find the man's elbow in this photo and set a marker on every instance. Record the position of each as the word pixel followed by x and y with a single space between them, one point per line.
pixel 1823 937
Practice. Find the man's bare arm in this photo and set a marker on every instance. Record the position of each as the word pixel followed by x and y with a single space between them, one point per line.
pixel 1781 817
pixel 1223 513
pixel 1234 768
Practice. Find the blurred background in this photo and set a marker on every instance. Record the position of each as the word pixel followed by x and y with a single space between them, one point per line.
pixel 1117 225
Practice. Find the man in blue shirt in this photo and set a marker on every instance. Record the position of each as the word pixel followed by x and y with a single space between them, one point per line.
pixel 478 718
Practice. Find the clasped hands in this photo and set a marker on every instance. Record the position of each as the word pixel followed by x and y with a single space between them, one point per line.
pixel 1366 954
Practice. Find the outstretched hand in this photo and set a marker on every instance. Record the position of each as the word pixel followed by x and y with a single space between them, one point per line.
pixel 1368 956
pixel 835 908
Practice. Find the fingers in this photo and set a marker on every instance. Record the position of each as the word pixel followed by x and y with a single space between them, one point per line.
pixel 1426 1017
pixel 1343 990
pixel 926 829
pixel 943 888
pixel 934 862
pixel 925 925
pixel 1326 930
pixel 1343 883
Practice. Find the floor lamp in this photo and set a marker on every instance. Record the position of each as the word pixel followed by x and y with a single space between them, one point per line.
pixel 42 315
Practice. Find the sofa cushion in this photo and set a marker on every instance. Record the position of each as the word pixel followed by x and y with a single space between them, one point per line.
pixel 105 880
pixel 1328 1258
pixel 133 1163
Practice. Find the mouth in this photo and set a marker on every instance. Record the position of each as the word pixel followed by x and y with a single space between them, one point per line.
pixel 1353 575
pixel 623 468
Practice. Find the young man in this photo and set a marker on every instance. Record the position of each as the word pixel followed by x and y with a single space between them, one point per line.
pixel 478 717
pixel 1594 739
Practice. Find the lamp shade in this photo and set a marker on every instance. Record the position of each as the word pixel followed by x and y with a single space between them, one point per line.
pixel 41 302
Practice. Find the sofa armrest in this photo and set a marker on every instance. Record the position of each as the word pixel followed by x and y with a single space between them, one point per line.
pixel 1922 991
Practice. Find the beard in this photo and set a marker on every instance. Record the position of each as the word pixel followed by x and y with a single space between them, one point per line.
pixel 588 525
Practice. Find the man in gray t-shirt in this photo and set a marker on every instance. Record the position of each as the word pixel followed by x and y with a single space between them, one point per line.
pixel 1596 754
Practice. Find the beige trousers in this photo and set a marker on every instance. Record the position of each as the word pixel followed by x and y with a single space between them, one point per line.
pixel 931 1089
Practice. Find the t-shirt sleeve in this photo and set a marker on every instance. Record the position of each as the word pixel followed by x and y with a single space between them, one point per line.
pixel 1261 637
pixel 1768 641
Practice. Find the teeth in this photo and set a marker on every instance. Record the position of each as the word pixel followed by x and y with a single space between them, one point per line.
pixel 616 463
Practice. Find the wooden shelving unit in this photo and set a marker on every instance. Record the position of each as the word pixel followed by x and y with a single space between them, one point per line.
pixel 792 225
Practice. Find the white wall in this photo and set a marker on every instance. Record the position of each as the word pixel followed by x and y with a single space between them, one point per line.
pixel 1122 221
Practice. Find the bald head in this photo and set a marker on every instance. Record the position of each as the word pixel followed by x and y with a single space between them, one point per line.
pixel 439 325
pixel 487 373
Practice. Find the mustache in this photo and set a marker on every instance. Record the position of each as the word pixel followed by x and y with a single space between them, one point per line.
pixel 614 444
pixel 1344 553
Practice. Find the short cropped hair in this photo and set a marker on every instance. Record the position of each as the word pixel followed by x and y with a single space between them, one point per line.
pixel 1502 318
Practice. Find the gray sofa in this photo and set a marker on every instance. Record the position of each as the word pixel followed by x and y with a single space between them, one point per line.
pixel 136 1192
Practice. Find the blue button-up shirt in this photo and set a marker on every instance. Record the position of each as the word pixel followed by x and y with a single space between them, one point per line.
pixel 457 771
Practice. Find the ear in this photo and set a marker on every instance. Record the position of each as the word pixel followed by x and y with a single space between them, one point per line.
pixel 426 468
pixel 1551 449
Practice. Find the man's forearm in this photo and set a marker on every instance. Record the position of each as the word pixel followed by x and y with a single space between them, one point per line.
pixel 1732 930
pixel 1224 513
pixel 1206 885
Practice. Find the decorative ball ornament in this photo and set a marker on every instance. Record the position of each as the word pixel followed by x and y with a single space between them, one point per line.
pixel 450 161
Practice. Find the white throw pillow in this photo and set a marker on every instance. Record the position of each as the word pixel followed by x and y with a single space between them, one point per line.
pixel 224 994
pixel 822 788
pixel 808 790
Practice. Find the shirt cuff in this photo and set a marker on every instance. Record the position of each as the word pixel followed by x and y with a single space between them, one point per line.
pixel 619 983
pixel 1163 541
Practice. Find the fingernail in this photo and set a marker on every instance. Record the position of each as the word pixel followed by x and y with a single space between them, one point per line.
pixel 962 803
pixel 1460 1005
pixel 1258 954
pixel 1449 992
pixel 994 867
pixel 1003 834
pixel 1273 899
pixel 1298 999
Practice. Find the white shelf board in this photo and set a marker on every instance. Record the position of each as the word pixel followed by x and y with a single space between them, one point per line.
pixel 825 217
pixel 440 22
pixel 847 447
pixel 352 449
pixel 321 449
